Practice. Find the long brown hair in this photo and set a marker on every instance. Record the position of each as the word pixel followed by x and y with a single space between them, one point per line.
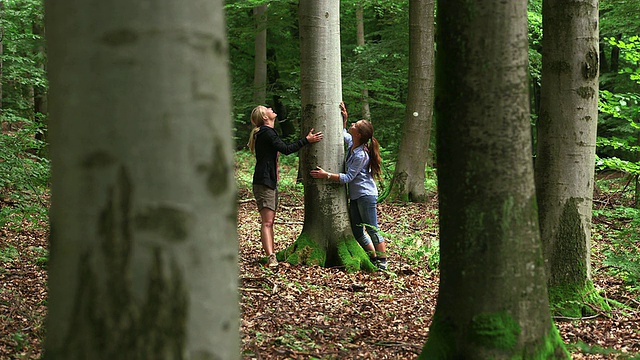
pixel 257 119
pixel 365 128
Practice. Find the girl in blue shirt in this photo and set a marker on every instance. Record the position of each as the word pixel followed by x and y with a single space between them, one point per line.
pixel 362 165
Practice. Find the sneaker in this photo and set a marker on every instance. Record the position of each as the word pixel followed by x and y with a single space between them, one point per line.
pixel 381 263
pixel 272 261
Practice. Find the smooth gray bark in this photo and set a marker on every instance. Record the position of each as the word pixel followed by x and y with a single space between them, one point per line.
pixel 566 138
pixel 326 216
pixel 260 56
pixel 409 176
pixel 360 41
pixel 143 217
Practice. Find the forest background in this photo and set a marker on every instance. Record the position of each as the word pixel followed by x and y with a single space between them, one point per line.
pixel 380 65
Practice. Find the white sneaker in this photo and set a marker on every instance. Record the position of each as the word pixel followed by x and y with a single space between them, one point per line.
pixel 272 261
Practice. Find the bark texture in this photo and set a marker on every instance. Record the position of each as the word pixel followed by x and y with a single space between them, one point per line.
pixel 566 143
pixel 326 222
pixel 260 56
pixel 360 41
pixel 409 176
pixel 143 252
pixel 492 301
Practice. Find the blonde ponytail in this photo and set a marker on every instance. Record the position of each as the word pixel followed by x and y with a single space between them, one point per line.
pixel 257 119
pixel 252 140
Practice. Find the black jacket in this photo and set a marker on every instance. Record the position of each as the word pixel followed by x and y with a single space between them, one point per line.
pixel 267 146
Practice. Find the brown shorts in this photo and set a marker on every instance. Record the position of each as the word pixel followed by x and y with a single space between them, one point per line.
pixel 266 197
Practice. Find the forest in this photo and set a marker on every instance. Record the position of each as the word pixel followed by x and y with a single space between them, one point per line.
pixel 509 197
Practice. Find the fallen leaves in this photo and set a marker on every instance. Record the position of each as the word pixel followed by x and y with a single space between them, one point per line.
pixel 304 312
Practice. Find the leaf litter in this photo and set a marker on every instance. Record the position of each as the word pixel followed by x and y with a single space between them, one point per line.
pixel 304 312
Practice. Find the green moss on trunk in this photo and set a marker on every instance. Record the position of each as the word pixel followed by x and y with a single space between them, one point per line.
pixel 495 330
pixel 305 251
pixel 441 343
pixel 576 300
pixel 497 334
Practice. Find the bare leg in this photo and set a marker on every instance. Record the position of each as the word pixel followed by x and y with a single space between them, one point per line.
pixel 370 250
pixel 266 229
pixel 381 249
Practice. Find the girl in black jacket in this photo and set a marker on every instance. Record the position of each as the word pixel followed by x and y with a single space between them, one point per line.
pixel 266 144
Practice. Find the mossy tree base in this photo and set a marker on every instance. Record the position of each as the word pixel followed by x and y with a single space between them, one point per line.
pixel 347 252
pixel 490 336
pixel 576 301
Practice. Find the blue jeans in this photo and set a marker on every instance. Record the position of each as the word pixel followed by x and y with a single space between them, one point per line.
pixel 364 215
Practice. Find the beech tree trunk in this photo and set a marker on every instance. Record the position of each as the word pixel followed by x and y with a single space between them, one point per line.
pixel 566 148
pixel 492 301
pixel 260 60
pixel 409 176
pixel 326 237
pixel 366 110
pixel 143 253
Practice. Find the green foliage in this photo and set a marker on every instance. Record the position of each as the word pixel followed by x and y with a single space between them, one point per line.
pixel 381 65
pixel 416 251
pixel 283 59
pixel 387 168
pixel 619 17
pixel 619 127
pixel 23 72
pixel 417 246
pixel 598 350
pixel 535 43
pixel 245 163
pixel 24 175
pixel 40 256
pixel 24 169
pixel 623 253
pixel 8 254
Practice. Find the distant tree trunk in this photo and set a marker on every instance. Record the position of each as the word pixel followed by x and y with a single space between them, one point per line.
pixel 40 92
pixel 566 149
pixel 326 237
pixel 284 124
pixel 492 300
pixel 260 67
pixel 637 177
pixel 615 56
pixel 604 67
pixel 366 111
pixel 408 179
pixel 143 252
pixel 1 56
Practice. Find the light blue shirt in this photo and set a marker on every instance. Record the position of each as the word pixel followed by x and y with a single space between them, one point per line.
pixel 358 177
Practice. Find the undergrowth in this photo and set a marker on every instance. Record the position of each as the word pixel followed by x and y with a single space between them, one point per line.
pixel 24 172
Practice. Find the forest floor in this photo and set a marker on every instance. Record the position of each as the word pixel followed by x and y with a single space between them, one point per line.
pixel 302 312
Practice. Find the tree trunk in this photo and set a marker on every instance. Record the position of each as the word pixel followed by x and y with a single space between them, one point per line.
pixel 326 237
pixel 143 252
pixel 40 92
pixel 2 15
pixel 408 179
pixel 615 56
pixel 366 111
pixel 260 64
pixel 492 301
pixel 566 149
